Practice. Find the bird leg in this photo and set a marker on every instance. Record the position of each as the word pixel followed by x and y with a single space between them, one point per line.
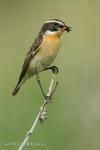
pixel 39 82
pixel 54 69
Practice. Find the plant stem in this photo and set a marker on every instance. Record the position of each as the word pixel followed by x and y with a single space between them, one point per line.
pixel 42 109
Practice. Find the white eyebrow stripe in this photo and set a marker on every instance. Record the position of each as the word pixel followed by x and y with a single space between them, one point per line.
pixel 59 22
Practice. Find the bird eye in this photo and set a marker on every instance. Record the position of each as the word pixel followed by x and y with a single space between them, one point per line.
pixel 55 24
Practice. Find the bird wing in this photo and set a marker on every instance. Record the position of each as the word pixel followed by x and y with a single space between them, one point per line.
pixel 32 52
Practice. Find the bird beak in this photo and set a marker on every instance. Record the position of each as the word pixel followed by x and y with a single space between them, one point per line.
pixel 67 28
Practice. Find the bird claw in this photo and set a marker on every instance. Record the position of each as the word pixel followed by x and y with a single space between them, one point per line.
pixel 47 98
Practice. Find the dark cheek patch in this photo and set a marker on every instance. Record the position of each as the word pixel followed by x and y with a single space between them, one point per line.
pixel 51 26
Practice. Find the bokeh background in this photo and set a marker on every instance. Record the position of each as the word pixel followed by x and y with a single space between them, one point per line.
pixel 74 116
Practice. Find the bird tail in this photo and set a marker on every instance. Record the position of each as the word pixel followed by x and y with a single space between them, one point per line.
pixel 19 84
pixel 16 89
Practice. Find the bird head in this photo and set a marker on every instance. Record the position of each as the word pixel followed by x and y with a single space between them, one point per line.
pixel 55 26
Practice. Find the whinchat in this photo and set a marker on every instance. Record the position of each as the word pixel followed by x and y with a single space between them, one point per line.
pixel 43 51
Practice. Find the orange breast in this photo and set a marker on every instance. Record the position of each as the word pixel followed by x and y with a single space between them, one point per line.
pixel 51 44
pixel 52 38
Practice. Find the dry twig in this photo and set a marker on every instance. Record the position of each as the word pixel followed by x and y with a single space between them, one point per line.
pixel 42 113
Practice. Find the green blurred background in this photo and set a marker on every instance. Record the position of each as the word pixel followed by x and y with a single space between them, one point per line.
pixel 74 116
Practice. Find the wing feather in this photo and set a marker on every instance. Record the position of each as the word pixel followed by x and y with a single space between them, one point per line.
pixel 30 55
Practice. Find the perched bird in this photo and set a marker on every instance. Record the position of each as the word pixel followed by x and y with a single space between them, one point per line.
pixel 43 51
